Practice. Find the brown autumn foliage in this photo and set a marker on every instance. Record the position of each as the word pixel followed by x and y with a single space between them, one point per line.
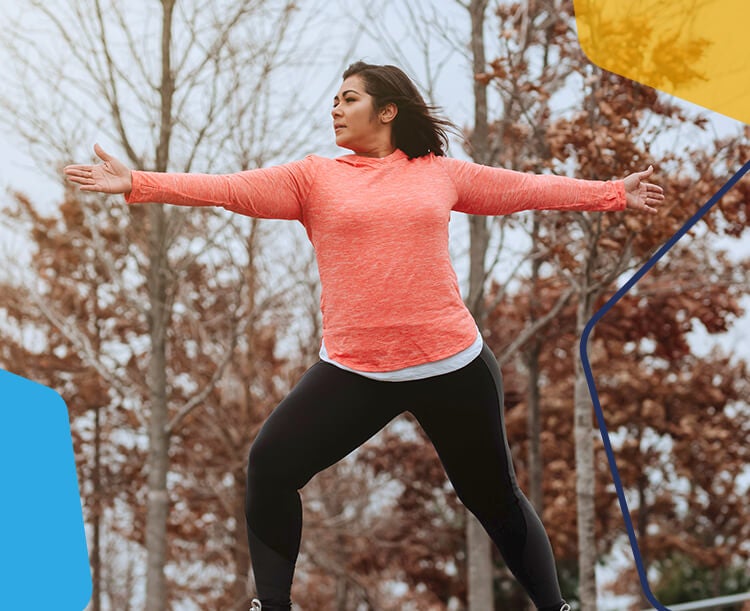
pixel 351 550
pixel 654 392
pixel 81 296
pixel 677 418
pixel 67 303
pixel 684 415
pixel 608 135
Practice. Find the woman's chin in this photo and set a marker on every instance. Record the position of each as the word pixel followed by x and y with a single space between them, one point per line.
pixel 342 142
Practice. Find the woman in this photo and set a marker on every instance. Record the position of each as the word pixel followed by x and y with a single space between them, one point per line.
pixel 396 333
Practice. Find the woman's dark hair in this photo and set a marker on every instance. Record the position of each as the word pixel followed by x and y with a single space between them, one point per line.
pixel 416 129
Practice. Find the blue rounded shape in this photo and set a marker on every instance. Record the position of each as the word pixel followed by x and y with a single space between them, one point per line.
pixel 44 561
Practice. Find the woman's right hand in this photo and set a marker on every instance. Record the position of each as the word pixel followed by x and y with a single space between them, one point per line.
pixel 111 176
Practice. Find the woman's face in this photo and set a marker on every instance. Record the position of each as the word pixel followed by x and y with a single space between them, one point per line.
pixel 356 124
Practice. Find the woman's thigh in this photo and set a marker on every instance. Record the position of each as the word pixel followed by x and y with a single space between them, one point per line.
pixel 462 414
pixel 328 414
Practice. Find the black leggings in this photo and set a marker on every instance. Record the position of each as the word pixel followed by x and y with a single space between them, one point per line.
pixel 331 412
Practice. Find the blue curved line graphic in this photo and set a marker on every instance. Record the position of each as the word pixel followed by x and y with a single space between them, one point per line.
pixel 592 386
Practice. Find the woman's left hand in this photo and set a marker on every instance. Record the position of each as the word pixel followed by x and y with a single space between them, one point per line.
pixel 642 195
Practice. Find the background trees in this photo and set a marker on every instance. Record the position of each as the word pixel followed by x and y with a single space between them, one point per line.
pixel 213 317
pixel 188 87
pixel 614 127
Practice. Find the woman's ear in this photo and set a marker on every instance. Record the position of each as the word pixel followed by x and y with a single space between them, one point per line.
pixel 388 113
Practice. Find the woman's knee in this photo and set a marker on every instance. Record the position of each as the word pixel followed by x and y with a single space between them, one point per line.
pixel 263 461
pixel 269 465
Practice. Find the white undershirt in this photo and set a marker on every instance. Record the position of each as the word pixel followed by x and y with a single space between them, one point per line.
pixel 417 372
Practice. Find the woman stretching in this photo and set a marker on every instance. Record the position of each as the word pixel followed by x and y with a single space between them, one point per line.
pixel 396 334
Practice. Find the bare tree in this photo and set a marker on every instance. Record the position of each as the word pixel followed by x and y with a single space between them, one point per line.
pixel 206 102
pixel 479 556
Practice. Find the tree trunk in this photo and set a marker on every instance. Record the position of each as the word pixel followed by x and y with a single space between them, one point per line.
pixel 478 544
pixel 533 415
pixel 642 526
pixel 341 593
pixel 240 591
pixel 158 458
pixel 584 440
pixel 534 429
pixel 158 319
pixel 478 565
pixel 96 553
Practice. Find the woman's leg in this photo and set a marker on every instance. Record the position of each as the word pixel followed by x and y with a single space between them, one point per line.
pixel 329 413
pixel 462 413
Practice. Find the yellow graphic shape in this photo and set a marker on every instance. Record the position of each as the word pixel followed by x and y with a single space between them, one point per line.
pixel 697 50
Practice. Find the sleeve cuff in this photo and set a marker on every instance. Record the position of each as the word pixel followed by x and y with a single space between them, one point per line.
pixel 620 192
pixel 134 196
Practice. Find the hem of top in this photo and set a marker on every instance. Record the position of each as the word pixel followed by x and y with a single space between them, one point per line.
pixel 383 375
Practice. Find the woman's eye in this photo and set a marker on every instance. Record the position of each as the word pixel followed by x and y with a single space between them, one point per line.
pixel 347 100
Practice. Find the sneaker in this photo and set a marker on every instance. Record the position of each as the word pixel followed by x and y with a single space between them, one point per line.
pixel 256 605
pixel 563 607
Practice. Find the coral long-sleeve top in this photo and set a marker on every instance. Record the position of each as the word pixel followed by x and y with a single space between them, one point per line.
pixel 389 295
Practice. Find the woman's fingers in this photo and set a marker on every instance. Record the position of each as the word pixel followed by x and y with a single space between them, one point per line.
pixel 80 178
pixel 642 195
pixel 654 193
pixel 652 188
pixel 87 184
pixel 109 176
pixel 78 172
pixel 647 172
pixel 101 153
pixel 84 170
pixel 89 178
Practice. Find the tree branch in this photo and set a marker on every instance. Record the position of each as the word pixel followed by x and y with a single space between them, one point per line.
pixel 535 327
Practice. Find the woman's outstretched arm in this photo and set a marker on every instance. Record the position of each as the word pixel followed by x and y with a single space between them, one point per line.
pixel 276 192
pixel 494 191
